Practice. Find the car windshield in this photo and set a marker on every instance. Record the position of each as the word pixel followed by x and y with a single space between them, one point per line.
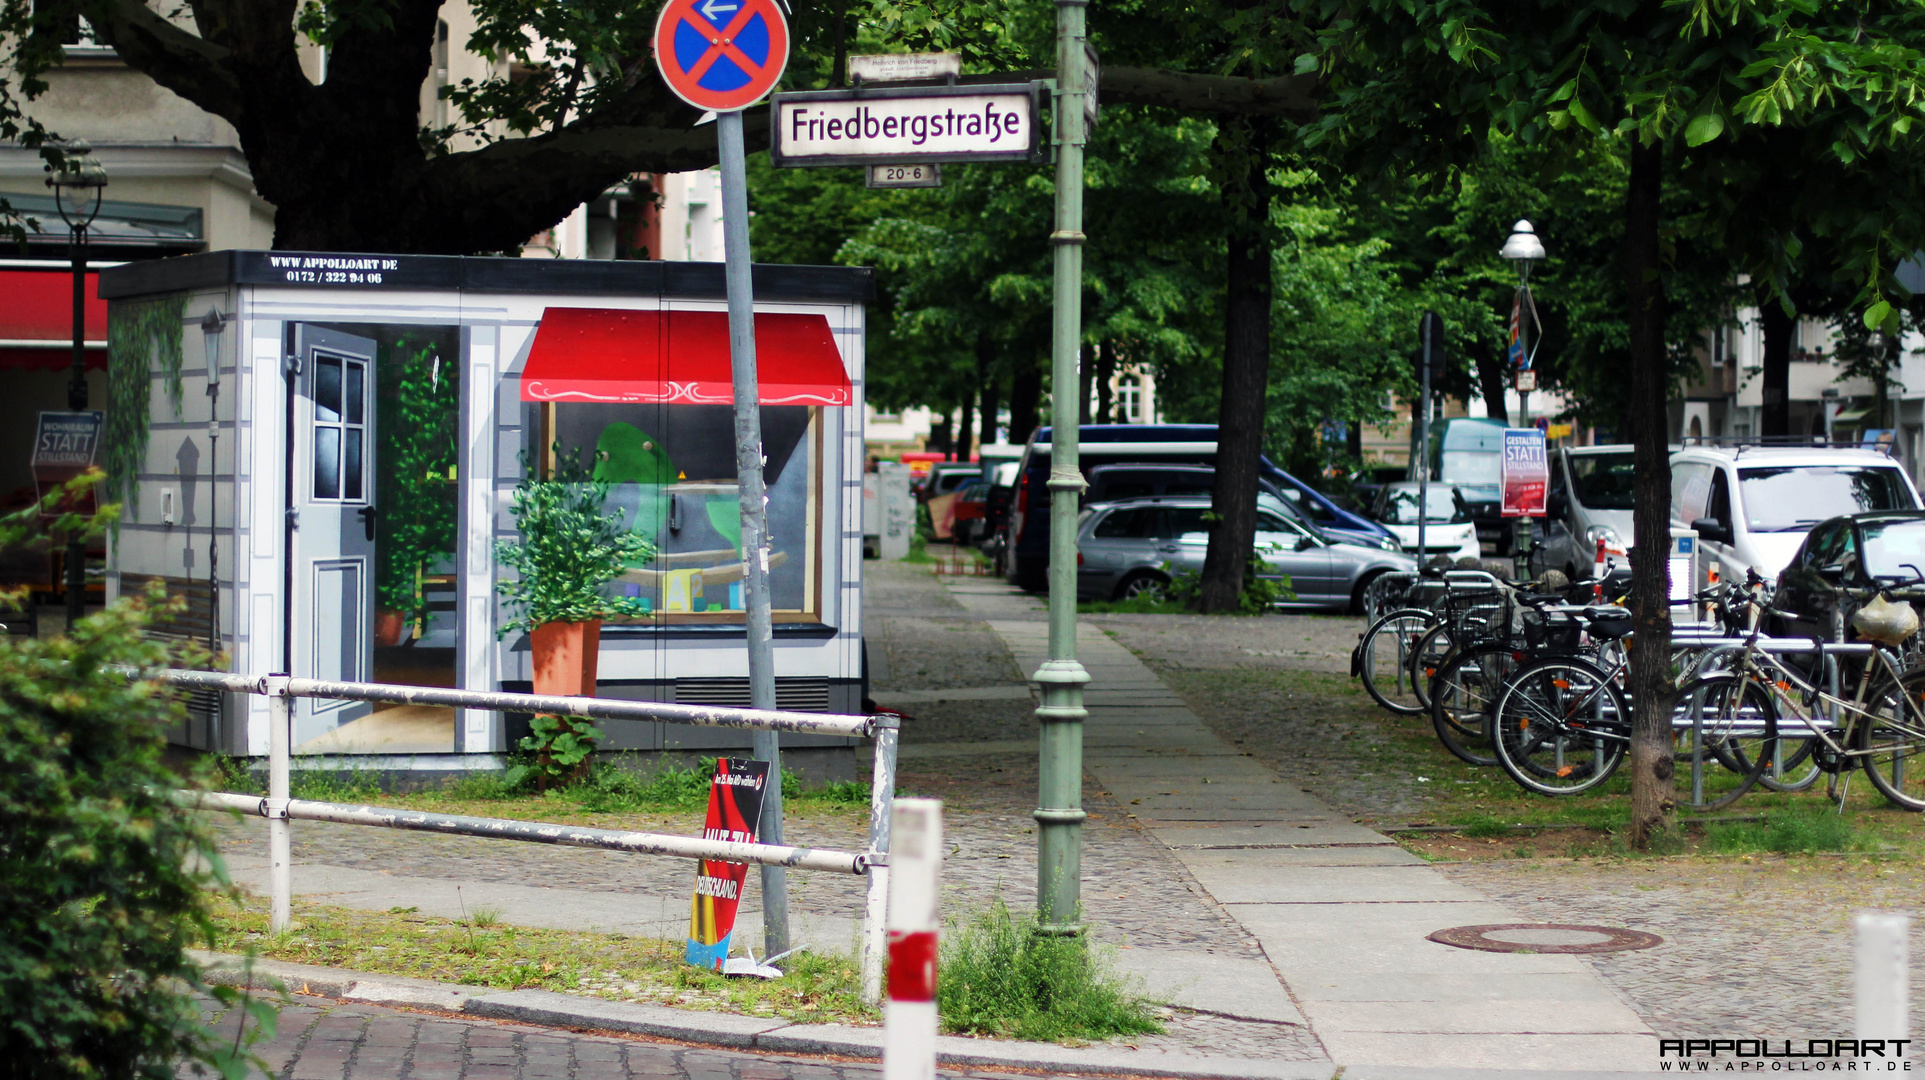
pixel 1441 503
pixel 1792 498
pixel 1894 549
pixel 1602 481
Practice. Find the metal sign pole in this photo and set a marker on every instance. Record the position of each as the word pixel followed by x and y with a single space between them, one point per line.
pixel 1423 439
pixel 1059 794
pixel 755 512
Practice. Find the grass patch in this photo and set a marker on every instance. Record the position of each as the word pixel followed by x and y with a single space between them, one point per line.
pixel 1148 604
pixel 815 989
pixel 1790 830
pixel 1000 977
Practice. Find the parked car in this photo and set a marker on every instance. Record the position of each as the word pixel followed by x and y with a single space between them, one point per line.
pixel 1856 551
pixel 946 476
pixel 1448 529
pixel 966 515
pixel 1366 482
pixel 1025 540
pixel 1752 506
pixel 1589 499
pixel 1128 548
pixel 1002 489
pixel 1113 483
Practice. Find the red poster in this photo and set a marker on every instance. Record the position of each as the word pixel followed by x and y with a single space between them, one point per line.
pixel 735 805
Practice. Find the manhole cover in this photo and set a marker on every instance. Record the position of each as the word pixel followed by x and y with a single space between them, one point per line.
pixel 1546 938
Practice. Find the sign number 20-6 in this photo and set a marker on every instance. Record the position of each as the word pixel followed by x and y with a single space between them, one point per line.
pixel 905 176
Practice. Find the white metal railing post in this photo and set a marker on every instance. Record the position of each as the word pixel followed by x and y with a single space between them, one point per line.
pixel 909 1018
pixel 1883 980
pixel 882 798
pixel 280 854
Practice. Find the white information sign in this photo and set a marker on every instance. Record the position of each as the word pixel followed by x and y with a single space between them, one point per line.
pixel 900 67
pixel 906 125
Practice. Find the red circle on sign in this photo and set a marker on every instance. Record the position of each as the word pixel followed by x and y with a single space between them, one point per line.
pixel 723 55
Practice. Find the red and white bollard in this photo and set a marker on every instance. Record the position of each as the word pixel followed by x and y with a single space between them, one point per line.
pixel 1599 567
pixel 915 866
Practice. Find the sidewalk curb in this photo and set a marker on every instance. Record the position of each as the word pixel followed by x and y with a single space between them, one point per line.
pixel 734 1031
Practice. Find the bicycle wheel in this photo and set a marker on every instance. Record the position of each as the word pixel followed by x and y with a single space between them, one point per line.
pixel 1792 765
pixel 1729 720
pixel 1384 659
pixel 1463 695
pixel 1890 740
pixel 1426 657
pixel 1560 727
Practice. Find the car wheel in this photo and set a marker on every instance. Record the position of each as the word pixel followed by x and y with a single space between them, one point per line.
pixel 1360 597
pixel 1143 583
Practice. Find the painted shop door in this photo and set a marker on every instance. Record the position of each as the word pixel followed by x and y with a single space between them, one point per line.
pixel 334 526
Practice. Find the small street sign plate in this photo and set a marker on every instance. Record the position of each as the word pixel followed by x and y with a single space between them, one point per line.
pixel 902 67
pixel 908 125
pixel 723 55
pixel 903 176
pixel 1526 381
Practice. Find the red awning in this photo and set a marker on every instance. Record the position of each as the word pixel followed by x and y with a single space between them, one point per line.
pixel 678 358
pixel 37 319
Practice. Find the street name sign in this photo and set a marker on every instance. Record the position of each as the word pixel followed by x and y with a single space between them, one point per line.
pixel 723 55
pixel 909 125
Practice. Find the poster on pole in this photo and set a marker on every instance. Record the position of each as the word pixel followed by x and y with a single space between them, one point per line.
pixel 735 805
pixel 66 444
pixel 1525 472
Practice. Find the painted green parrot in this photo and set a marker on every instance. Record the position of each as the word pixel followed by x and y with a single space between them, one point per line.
pixel 628 455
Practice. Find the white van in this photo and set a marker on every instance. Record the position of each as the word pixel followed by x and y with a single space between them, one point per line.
pixel 1753 505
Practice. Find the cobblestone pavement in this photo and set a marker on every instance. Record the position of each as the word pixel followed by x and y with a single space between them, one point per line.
pixel 319 1039
pixel 976 755
pixel 1755 946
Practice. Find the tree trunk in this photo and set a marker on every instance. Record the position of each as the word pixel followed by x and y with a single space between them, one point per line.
pixel 1105 382
pixel 992 403
pixel 1085 374
pixel 1492 381
pixel 1417 460
pixel 967 428
pixel 1025 390
pixel 1778 326
pixel 1653 784
pixel 1243 145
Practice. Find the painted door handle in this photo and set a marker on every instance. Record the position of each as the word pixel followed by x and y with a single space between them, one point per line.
pixel 368 516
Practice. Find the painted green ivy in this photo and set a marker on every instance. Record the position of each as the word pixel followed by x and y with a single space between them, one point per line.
pixel 140 335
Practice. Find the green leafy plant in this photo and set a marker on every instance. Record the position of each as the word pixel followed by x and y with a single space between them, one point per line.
pixel 418 450
pixel 999 976
pixel 140 334
pixel 569 550
pixel 1258 595
pixel 106 879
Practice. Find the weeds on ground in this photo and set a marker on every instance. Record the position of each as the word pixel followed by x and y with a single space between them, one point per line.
pixel 1790 830
pixel 480 952
pixel 346 785
pixel 1001 977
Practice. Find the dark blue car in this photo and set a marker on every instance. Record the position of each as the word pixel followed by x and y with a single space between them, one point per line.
pixel 1025 544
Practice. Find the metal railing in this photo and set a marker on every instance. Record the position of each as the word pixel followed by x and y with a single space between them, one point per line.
pixel 279 808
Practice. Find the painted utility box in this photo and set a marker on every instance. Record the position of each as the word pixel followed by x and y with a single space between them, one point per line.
pixel 339 438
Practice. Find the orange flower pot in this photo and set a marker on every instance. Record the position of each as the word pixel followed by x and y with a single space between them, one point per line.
pixel 389 625
pixel 565 655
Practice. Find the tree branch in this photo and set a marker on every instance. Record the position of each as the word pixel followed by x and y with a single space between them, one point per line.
pixel 1291 96
pixel 190 66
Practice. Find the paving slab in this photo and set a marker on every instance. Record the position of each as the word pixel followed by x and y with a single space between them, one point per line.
pixel 1253 882
pixel 1226 985
pixel 1204 860
pixel 1243 834
pixel 1497 1053
pixel 1460 1017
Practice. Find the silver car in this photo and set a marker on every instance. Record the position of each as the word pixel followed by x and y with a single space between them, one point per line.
pixel 1129 548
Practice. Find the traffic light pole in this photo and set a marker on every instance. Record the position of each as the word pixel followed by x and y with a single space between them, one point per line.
pixel 1059 790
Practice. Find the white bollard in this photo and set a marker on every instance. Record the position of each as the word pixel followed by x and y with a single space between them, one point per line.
pixel 1883 973
pixel 875 916
pixel 909 1017
pixel 280 854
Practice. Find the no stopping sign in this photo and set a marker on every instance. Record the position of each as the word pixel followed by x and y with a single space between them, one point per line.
pixel 723 55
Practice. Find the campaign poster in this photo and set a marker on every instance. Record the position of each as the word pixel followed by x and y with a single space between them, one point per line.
pixel 735 805
pixel 1526 472
pixel 65 444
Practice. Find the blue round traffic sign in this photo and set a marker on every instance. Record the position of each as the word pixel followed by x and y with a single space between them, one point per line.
pixel 723 55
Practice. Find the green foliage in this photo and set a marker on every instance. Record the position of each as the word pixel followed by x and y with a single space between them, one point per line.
pixel 560 745
pixel 569 550
pixel 417 523
pixel 1258 595
pixel 343 784
pixel 142 336
pixel 106 878
pixel 1792 829
pixel 999 976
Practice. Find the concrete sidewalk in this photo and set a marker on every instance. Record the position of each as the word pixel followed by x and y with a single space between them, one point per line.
pixel 1342 912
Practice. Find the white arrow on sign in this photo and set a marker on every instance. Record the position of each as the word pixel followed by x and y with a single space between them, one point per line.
pixel 710 9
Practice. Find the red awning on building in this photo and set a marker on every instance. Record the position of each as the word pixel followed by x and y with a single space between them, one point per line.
pixel 678 358
pixel 37 319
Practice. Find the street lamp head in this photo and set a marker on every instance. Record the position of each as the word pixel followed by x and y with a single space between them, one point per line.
pixel 1523 247
pixel 77 182
pixel 212 324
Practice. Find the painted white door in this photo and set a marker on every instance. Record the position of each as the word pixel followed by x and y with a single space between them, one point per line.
pixel 333 539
